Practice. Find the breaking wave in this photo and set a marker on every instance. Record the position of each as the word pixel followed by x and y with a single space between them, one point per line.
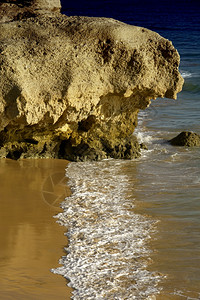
pixel 108 253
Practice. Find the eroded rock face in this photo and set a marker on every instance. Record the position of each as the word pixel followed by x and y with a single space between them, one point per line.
pixel 12 10
pixel 186 138
pixel 71 87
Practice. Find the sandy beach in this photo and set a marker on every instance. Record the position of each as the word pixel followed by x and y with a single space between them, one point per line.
pixel 31 240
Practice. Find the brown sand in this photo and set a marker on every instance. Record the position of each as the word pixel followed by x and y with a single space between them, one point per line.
pixel 31 240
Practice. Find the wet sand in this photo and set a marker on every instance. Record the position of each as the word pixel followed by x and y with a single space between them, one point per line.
pixel 31 240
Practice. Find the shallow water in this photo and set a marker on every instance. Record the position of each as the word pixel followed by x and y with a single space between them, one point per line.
pixel 31 241
pixel 169 190
pixel 133 226
pixel 108 242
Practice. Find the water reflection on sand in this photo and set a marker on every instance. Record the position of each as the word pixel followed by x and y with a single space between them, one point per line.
pixel 31 241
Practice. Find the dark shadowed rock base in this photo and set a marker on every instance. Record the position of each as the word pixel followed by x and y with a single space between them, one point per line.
pixel 46 147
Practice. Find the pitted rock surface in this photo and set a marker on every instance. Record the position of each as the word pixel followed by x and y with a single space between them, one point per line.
pixel 71 87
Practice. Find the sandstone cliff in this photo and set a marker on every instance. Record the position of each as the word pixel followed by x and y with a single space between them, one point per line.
pixel 71 87
pixel 17 9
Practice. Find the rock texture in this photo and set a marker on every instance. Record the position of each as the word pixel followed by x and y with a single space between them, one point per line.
pixel 71 87
pixel 186 138
pixel 21 9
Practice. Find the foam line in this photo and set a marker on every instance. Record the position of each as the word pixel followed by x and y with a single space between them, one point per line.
pixel 107 253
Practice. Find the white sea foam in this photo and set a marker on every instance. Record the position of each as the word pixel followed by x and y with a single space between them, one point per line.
pixel 186 74
pixel 107 253
pixel 143 136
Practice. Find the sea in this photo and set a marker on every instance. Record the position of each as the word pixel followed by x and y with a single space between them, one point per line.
pixel 134 225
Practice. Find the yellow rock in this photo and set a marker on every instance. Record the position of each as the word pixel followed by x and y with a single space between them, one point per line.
pixel 87 77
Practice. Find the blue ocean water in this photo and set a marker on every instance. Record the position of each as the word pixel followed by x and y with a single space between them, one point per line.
pixel 134 226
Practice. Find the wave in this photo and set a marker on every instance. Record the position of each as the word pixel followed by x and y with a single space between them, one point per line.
pixel 186 74
pixel 107 253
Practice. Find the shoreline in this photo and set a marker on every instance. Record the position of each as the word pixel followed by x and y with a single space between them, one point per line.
pixel 32 241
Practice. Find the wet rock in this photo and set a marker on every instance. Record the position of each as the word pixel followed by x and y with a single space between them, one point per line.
pixel 186 138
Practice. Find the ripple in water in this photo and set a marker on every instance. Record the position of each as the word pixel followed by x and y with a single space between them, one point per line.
pixel 108 250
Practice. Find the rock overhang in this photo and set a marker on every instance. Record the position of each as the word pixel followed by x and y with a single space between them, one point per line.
pixel 62 75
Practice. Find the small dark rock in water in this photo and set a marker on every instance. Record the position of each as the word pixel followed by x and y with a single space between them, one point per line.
pixel 186 138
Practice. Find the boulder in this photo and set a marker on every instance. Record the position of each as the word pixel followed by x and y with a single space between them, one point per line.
pixel 71 87
pixel 186 138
